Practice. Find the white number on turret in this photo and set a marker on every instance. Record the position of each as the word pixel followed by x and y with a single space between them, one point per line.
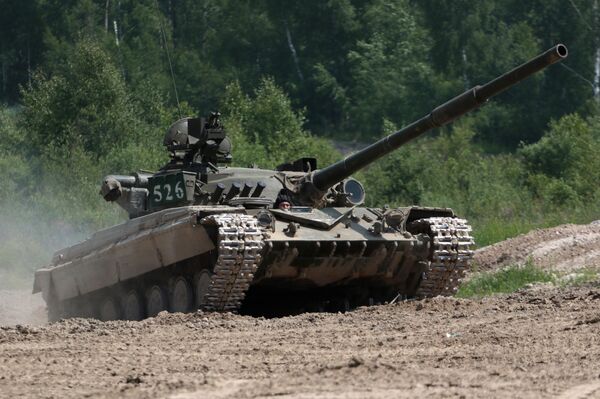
pixel 170 189
pixel 167 189
pixel 168 196
pixel 157 194
pixel 179 190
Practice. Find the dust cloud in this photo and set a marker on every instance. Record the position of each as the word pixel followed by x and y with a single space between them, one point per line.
pixel 28 238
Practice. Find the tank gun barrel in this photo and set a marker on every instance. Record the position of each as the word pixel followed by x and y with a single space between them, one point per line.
pixel 112 185
pixel 445 113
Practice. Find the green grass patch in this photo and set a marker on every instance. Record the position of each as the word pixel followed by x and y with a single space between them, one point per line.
pixel 495 230
pixel 504 281
pixel 578 277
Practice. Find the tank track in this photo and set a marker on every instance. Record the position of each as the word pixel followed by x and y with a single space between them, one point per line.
pixel 450 255
pixel 240 243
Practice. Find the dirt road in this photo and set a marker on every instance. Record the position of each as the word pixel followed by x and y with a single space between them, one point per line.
pixel 540 342
pixel 537 343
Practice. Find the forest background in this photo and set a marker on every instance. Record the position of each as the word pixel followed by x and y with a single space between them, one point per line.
pixel 87 89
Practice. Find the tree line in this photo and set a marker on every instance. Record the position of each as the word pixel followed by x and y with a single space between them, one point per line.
pixel 89 87
pixel 352 64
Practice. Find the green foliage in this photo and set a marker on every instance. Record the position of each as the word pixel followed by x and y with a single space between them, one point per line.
pixel 21 45
pixel 503 281
pixel 513 278
pixel 579 277
pixel 449 170
pixel 82 122
pixel 348 63
pixel 85 104
pixel 564 165
pixel 547 183
pixel 14 170
pixel 386 64
pixel 266 131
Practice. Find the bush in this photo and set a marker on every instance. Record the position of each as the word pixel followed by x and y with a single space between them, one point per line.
pixel 266 131
pixel 563 166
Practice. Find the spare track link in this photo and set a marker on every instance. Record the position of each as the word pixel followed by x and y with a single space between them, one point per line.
pixel 240 242
pixel 450 256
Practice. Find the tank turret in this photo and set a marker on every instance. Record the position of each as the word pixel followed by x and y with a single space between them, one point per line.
pixel 198 140
pixel 198 147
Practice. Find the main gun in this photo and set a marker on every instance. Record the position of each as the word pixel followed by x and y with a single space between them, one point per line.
pixel 313 188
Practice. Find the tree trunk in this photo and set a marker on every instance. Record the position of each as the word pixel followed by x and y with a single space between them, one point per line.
pixel 116 32
pixel 173 17
pixel 4 76
pixel 28 62
pixel 293 51
pixel 597 59
pixel 107 5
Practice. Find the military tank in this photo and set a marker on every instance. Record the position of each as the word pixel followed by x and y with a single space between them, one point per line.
pixel 203 235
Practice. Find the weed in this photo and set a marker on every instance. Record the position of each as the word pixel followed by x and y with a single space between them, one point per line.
pixel 504 281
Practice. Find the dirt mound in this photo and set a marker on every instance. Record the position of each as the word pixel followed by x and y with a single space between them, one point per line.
pixel 563 248
pixel 528 344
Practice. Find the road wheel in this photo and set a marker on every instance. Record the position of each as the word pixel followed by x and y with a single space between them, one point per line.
pixel 133 305
pixel 109 309
pixel 156 300
pixel 202 281
pixel 181 295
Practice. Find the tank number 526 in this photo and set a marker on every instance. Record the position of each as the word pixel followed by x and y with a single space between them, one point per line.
pixel 166 192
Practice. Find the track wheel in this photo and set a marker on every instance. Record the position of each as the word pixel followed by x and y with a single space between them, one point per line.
pixel 133 306
pixel 181 295
pixel 83 307
pixel 202 282
pixel 156 300
pixel 109 309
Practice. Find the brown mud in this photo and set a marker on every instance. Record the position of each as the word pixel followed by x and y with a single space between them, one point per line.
pixel 533 343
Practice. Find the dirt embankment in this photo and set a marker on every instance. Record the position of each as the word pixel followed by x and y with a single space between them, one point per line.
pixel 563 249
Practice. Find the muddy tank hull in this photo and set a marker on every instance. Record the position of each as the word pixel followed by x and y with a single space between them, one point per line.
pixel 419 252
pixel 220 258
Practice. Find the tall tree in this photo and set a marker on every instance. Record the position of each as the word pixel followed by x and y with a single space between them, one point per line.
pixel 21 47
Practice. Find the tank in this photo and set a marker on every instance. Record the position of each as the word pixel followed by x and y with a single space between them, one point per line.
pixel 204 235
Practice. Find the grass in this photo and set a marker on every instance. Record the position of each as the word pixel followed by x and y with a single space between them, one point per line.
pixel 578 277
pixel 495 230
pixel 513 278
pixel 506 280
pixel 490 229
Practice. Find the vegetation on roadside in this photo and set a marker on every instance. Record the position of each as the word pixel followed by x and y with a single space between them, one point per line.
pixel 513 278
pixel 507 280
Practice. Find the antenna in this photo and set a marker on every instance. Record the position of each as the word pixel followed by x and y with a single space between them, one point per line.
pixel 164 38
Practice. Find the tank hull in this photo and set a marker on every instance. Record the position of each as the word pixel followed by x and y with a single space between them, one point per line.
pixel 222 258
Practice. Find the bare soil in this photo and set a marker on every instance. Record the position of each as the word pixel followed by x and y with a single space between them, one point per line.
pixel 562 248
pixel 542 342
pixel 529 344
